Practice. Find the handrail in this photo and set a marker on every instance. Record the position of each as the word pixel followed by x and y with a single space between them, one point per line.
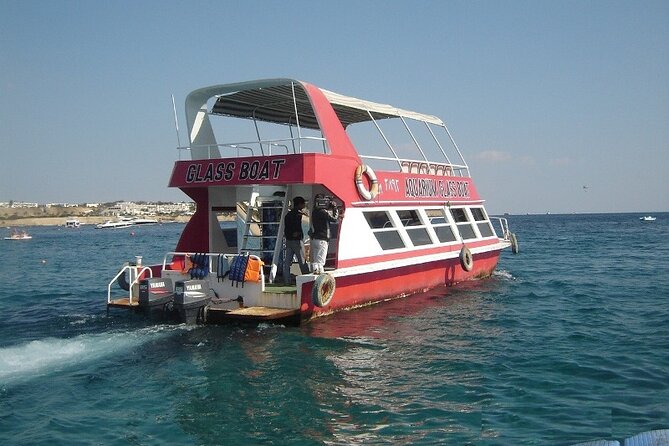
pixel 421 166
pixel 504 227
pixel 133 282
pixel 211 256
pixel 253 146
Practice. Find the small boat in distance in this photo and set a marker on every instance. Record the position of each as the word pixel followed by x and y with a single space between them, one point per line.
pixel 73 223
pixel 126 222
pixel 647 218
pixel 19 235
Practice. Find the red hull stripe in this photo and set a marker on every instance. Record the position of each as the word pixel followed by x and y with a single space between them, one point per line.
pixel 365 288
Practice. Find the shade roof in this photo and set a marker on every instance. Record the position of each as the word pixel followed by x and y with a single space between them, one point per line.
pixel 275 104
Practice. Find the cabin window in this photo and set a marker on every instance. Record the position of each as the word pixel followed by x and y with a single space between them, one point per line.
pixel 378 220
pixel 436 216
pixel 440 225
pixel 459 215
pixel 415 227
pixel 384 230
pixel 445 234
pixel 409 218
pixel 419 236
pixel 483 224
pixel 478 214
pixel 485 229
pixel 462 223
pixel 389 239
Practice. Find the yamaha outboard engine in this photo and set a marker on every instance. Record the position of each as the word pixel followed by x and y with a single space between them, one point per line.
pixel 190 299
pixel 156 296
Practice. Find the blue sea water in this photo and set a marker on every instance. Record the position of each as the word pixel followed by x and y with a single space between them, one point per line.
pixel 567 342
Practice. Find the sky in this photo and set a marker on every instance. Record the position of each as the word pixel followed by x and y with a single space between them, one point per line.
pixel 542 97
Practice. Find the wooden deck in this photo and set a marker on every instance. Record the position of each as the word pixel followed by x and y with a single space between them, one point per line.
pixel 227 311
pixel 220 315
pixel 123 302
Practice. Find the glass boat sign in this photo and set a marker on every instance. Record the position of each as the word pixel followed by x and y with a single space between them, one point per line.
pixel 410 216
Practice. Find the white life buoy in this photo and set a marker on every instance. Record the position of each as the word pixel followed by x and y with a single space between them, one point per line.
pixel 466 259
pixel 373 191
pixel 324 288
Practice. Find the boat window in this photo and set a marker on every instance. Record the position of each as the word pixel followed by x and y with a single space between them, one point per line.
pixel 462 222
pixel 478 214
pixel 409 218
pixel 378 219
pixel 416 229
pixel 440 224
pixel 389 239
pixel 444 233
pixel 459 215
pixel 384 230
pixel 485 229
pixel 419 236
pixel 436 216
pixel 466 231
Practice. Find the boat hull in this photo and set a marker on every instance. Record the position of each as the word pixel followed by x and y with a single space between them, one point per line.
pixel 366 288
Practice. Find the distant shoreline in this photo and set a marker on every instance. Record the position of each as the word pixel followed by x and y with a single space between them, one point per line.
pixel 60 221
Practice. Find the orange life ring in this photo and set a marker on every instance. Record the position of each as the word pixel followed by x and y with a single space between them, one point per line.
pixel 373 191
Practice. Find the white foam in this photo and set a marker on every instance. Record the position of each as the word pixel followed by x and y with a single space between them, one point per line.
pixel 49 355
pixel 262 326
pixel 502 274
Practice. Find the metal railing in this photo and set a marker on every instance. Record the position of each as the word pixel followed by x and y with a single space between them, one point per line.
pixel 423 167
pixel 259 148
pixel 503 226
pixel 212 256
pixel 135 274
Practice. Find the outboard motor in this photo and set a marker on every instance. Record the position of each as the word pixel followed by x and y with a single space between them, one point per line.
pixel 156 296
pixel 190 299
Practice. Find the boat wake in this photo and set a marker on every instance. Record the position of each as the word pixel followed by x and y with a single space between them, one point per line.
pixel 503 274
pixel 49 355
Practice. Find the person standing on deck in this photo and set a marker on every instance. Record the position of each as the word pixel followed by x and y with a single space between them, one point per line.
pixel 325 212
pixel 292 231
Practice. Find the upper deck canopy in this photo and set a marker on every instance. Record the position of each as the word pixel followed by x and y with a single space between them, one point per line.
pixel 321 118
pixel 273 101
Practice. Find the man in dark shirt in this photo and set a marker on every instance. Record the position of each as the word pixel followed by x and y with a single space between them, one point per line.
pixel 321 218
pixel 292 231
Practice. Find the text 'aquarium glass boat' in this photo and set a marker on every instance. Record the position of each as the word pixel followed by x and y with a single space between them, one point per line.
pixel 382 198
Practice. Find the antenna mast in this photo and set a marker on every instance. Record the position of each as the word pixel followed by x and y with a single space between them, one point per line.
pixel 176 122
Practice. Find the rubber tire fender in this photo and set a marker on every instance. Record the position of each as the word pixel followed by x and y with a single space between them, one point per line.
pixel 466 259
pixel 122 281
pixel 515 248
pixel 323 290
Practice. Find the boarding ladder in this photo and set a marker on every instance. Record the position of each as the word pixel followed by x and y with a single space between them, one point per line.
pixel 268 214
